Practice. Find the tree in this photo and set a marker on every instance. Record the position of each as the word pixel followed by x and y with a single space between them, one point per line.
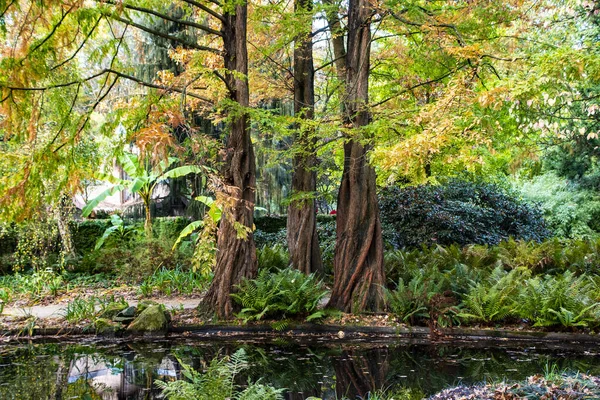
pixel 42 45
pixel 142 181
pixel 358 265
pixel 303 242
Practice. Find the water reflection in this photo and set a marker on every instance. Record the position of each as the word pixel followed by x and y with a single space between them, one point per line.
pixel 127 370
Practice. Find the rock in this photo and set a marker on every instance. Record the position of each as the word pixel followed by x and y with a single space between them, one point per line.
pixel 105 326
pixel 152 319
pixel 112 309
pixel 142 305
pixel 125 316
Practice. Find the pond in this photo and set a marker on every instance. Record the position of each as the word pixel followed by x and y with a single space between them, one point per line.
pixel 327 368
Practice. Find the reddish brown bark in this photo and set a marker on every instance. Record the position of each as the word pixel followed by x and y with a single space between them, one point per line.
pixel 356 375
pixel 236 257
pixel 303 242
pixel 358 265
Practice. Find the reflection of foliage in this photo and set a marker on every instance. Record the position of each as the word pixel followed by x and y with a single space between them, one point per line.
pixel 295 368
pixel 218 382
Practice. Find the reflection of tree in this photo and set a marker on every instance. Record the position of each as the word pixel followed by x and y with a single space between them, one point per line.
pixel 360 372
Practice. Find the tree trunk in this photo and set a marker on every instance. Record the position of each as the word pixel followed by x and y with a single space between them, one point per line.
pixel 148 217
pixel 62 214
pixel 358 375
pixel 358 264
pixel 303 242
pixel 236 256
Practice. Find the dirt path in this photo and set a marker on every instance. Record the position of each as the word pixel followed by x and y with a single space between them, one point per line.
pixel 58 310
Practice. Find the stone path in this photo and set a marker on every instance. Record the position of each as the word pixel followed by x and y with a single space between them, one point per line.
pixel 58 310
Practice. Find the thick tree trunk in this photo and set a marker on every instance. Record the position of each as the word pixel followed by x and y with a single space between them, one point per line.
pixel 358 265
pixel 303 242
pixel 236 256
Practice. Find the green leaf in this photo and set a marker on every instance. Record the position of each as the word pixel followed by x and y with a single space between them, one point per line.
pixel 208 201
pixel 138 184
pixel 105 236
pixel 181 171
pixel 131 165
pixel 188 230
pixel 89 207
pixel 215 213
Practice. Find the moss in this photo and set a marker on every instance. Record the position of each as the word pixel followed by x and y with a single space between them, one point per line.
pixel 152 319
pixel 112 309
pixel 105 326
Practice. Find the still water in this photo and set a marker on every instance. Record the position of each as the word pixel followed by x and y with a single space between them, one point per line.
pixel 326 369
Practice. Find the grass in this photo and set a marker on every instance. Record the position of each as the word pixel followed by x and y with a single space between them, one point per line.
pixel 173 281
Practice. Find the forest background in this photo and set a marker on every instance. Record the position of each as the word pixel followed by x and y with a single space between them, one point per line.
pixel 466 120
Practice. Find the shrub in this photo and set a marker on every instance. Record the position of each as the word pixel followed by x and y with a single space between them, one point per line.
pixel 570 211
pixel 457 212
pixel 273 258
pixel 270 224
pixel 168 228
pixel 86 233
pixel 287 293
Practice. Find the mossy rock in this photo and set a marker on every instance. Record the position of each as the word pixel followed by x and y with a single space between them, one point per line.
pixel 126 315
pixel 143 304
pixel 152 319
pixel 106 326
pixel 112 309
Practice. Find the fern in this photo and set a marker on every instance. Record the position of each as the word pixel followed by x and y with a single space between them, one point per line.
pixel 218 382
pixel 493 299
pixel 285 294
pixel 562 300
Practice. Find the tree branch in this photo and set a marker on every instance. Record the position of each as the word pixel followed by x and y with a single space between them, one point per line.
pixel 206 9
pixel 7 7
pixel 79 48
pixel 52 32
pixel 162 16
pixel 165 36
pixel 429 82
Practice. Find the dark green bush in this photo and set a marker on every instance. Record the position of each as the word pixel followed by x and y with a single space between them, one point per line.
pixel 86 233
pixel 457 212
pixel 272 237
pixel 168 227
pixel 270 224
